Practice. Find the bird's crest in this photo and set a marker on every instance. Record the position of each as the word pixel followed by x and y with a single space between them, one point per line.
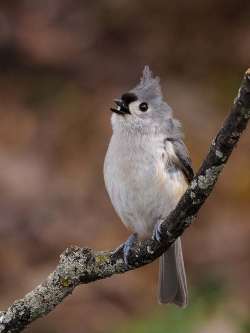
pixel 149 87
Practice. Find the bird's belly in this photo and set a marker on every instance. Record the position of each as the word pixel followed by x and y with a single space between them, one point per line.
pixel 142 194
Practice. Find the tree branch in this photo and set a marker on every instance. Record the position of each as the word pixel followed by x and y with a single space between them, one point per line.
pixel 84 265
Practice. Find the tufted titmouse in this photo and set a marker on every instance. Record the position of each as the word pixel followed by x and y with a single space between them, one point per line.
pixel 146 171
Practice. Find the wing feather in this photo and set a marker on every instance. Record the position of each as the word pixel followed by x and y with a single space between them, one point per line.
pixel 183 160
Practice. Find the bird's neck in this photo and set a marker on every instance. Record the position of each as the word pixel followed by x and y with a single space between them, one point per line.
pixel 138 129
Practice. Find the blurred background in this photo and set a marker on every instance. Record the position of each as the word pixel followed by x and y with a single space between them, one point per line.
pixel 62 63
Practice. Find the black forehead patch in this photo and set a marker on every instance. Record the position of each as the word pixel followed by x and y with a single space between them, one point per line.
pixel 129 98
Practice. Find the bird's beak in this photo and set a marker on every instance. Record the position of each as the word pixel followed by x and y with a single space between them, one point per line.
pixel 122 108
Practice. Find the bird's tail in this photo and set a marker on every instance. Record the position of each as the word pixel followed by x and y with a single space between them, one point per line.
pixel 172 279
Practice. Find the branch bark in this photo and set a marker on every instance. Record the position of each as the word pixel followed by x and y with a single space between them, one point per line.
pixel 83 265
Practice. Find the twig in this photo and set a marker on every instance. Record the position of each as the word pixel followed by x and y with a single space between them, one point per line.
pixel 84 265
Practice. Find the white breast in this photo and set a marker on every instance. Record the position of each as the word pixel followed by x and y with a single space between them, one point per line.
pixel 141 188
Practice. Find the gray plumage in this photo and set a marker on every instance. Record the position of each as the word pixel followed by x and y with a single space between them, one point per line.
pixel 172 277
pixel 146 171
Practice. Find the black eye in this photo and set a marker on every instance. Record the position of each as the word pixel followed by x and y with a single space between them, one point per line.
pixel 143 107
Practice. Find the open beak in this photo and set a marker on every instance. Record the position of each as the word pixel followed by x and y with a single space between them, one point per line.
pixel 122 108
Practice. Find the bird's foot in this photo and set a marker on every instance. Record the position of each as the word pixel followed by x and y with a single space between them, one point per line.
pixel 158 234
pixel 129 249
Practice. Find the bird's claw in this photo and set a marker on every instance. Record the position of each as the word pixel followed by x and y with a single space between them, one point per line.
pixel 129 249
pixel 157 233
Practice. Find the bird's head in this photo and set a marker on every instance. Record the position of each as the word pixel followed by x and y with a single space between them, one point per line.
pixel 142 108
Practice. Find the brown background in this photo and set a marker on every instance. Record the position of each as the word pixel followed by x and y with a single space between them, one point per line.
pixel 62 63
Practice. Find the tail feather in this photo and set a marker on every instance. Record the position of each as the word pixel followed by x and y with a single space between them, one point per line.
pixel 173 284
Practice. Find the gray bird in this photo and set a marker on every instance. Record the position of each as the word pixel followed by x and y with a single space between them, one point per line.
pixel 146 171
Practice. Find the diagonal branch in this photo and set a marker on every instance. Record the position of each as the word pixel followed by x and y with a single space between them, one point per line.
pixel 84 265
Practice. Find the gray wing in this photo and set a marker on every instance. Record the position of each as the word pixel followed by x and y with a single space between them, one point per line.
pixel 184 162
